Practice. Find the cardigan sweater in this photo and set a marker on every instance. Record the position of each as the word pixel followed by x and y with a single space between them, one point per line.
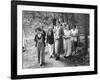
pixel 50 38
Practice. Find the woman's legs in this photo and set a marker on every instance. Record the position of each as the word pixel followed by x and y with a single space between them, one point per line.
pixel 41 55
pixel 65 47
pixel 56 49
pixel 38 54
pixel 74 46
pixel 69 47
pixel 40 51
pixel 50 49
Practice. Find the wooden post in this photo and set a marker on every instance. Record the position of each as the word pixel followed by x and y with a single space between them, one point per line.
pixel 86 31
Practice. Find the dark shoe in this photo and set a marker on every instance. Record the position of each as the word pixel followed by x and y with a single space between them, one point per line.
pixel 23 49
pixel 57 58
pixel 51 56
pixel 41 64
pixel 65 57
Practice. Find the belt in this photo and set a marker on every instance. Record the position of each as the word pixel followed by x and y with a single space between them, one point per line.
pixel 67 38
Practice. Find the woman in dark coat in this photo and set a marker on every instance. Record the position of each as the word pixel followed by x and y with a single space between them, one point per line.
pixel 50 41
pixel 39 39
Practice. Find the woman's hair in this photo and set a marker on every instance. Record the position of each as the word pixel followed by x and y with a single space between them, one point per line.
pixel 74 26
pixel 60 24
pixel 38 29
pixel 42 26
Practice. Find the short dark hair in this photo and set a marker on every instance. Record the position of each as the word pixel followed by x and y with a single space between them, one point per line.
pixel 42 26
pixel 61 24
pixel 38 29
pixel 74 26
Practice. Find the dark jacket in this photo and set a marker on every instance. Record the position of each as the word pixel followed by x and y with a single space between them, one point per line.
pixel 50 38
pixel 44 35
pixel 36 39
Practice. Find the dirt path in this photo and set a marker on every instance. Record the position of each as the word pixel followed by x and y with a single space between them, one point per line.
pixel 30 60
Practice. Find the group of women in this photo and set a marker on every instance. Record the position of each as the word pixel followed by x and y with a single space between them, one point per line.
pixel 62 34
pixel 59 39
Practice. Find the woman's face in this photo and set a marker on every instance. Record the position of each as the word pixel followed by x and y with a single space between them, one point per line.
pixel 38 32
pixel 49 31
pixel 74 27
pixel 64 25
pixel 58 24
pixel 66 28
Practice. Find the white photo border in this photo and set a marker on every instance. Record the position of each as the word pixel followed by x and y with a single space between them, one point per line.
pixel 21 71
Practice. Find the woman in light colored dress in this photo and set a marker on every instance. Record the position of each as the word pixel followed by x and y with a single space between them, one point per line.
pixel 67 41
pixel 74 39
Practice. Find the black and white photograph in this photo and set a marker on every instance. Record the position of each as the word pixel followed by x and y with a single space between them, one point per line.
pixel 52 39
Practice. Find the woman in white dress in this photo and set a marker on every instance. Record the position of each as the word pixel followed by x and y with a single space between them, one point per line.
pixel 67 41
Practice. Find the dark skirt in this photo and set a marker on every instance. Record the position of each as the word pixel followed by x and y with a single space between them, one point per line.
pixel 60 46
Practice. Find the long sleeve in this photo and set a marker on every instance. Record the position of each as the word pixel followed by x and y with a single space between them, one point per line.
pixel 44 35
pixel 35 38
pixel 50 38
pixel 47 38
